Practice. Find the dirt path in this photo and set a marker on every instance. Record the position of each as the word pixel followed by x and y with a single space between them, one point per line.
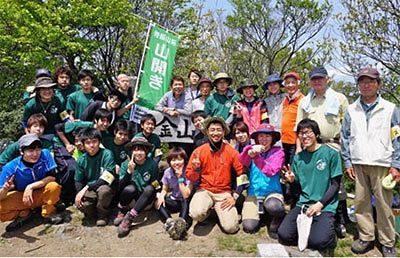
pixel 146 239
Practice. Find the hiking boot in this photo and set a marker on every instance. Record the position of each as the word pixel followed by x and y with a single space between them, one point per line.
pixel 388 251
pixel 101 222
pixel 124 226
pixel 54 219
pixel 340 230
pixel 361 247
pixel 118 219
pixel 179 229
pixel 169 225
pixel 18 223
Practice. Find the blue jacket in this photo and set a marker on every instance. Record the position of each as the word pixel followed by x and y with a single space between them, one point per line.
pixel 23 175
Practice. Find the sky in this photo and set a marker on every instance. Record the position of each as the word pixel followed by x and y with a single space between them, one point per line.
pixel 334 69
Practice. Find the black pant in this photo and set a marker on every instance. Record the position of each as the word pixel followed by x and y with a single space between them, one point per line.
pixel 143 198
pixel 290 150
pixel 181 206
pixel 322 233
pixel 65 173
pixel 291 192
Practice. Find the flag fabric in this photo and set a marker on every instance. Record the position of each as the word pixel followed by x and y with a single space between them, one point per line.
pixel 158 66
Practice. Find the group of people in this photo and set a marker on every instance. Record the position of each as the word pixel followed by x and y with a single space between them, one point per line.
pixel 249 158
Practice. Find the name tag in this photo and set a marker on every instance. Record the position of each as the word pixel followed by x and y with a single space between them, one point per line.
pixel 395 132
pixel 108 177
pixel 242 180
pixel 264 115
pixel 158 152
pixel 155 184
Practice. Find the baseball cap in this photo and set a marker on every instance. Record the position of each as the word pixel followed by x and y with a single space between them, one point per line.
pixel 27 140
pixel 318 71
pixel 369 72
pixel 292 74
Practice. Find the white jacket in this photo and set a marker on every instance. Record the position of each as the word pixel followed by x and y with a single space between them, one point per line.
pixel 370 144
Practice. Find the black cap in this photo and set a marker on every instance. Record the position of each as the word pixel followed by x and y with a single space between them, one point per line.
pixel 318 71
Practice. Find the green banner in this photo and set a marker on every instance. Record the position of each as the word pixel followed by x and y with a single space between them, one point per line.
pixel 158 66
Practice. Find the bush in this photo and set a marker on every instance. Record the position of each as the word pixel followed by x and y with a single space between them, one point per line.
pixel 11 124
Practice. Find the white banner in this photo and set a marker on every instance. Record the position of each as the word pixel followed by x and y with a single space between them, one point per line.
pixel 170 129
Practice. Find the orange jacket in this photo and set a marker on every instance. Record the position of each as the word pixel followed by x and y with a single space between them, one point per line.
pixel 289 114
pixel 215 175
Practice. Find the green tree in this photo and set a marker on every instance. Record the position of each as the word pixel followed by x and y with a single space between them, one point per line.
pixel 275 36
pixel 371 32
pixel 106 36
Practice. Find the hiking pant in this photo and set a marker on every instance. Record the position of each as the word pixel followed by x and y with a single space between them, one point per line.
pixel 12 206
pixel 143 199
pixel 272 204
pixel 322 233
pixel 204 200
pixel 65 173
pixel 181 206
pixel 368 182
pixel 97 202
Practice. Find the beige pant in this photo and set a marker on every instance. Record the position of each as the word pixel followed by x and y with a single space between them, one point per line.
pixel 204 200
pixel 250 206
pixel 368 182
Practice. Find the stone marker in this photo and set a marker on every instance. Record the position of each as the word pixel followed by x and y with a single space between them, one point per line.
pixel 271 250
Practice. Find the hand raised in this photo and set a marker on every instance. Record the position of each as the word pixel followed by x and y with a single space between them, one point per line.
pixel 289 175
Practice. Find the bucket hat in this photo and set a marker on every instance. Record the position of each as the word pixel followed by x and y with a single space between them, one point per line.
pixel 140 141
pixel 244 84
pixel 267 128
pixel 272 78
pixel 204 80
pixel 220 76
pixel 44 82
pixel 214 119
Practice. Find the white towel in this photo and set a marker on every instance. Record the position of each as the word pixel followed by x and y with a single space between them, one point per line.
pixel 332 102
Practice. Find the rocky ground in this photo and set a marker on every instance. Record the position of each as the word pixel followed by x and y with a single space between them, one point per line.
pixel 146 239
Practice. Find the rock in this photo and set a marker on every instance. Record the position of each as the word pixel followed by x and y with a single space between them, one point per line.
pixel 271 250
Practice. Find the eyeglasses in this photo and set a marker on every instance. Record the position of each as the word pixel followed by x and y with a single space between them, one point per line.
pixel 305 133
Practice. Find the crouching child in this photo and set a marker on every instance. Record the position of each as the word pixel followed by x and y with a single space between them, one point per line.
pixel 28 182
pixel 178 201
pixel 138 180
pixel 95 178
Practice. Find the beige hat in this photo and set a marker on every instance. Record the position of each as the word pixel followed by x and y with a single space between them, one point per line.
pixel 214 119
pixel 44 82
pixel 140 141
pixel 220 76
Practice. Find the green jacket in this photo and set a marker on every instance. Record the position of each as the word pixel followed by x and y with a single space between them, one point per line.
pixel 220 105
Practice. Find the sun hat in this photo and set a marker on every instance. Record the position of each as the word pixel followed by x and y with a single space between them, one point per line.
pixel 140 141
pixel 220 76
pixel 214 119
pixel 272 78
pixel 44 82
pixel 269 129
pixel 204 80
pixel 244 84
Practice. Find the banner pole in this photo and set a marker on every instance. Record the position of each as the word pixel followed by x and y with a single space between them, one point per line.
pixel 141 61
